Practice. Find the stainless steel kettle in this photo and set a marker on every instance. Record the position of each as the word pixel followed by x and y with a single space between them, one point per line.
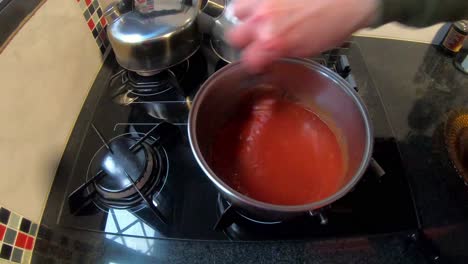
pixel 152 35
pixel 223 17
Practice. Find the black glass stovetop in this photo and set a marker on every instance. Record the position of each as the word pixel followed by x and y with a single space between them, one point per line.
pixel 191 203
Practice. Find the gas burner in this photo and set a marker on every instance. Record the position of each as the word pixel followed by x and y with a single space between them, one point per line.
pixel 238 226
pixel 157 86
pixel 128 172
pixel 183 76
pixel 146 166
pixel 157 83
pixel 165 95
pixel 148 74
pixel 225 211
pixel 160 96
pixel 149 85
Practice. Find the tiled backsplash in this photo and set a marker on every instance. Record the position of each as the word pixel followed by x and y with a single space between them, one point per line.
pixel 17 237
pixel 94 17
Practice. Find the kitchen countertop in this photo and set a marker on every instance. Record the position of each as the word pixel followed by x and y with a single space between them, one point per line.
pixel 418 86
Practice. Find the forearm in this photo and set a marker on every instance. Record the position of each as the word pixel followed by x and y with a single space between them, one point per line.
pixel 421 13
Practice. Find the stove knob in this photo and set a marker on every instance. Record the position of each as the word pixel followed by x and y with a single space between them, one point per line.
pixel 343 67
pixel 350 79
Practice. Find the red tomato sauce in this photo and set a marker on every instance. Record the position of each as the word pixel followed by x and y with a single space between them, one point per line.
pixel 278 152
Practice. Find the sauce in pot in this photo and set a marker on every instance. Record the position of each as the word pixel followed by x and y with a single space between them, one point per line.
pixel 278 152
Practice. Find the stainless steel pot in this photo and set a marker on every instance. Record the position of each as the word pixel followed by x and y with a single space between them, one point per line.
pixel 148 37
pixel 303 81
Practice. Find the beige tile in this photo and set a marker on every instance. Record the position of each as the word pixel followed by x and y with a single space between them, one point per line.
pixel 3 261
pixel 27 257
pixel 82 5
pixel 46 72
pixel 105 3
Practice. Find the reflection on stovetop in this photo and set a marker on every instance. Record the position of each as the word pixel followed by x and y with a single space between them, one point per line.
pixel 178 201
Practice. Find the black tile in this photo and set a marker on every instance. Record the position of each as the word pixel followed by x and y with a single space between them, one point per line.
pixel 4 215
pixel 91 9
pixel 25 225
pixel 102 35
pixel 103 49
pixel 5 252
pixel 95 33
pixel 99 12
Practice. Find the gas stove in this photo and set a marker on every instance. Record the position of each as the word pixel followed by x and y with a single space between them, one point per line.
pixel 135 174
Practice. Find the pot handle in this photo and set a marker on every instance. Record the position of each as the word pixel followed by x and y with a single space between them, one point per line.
pixel 378 170
pixel 214 8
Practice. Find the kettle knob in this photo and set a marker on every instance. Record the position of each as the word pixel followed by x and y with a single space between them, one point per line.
pixel 116 9
pixel 214 8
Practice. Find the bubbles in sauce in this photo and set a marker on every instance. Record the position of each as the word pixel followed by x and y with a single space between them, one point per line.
pixel 278 152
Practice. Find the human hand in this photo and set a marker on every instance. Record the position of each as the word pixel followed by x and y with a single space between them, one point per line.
pixel 296 28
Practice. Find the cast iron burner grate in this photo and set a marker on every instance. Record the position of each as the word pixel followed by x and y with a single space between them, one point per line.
pixel 124 173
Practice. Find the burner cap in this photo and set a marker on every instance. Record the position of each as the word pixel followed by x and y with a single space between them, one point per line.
pixel 121 163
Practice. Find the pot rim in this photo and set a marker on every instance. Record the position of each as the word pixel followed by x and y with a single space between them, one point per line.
pixel 239 197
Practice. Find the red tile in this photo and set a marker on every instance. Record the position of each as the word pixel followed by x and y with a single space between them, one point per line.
pixel 2 232
pixel 30 243
pixel 103 21
pixel 88 2
pixel 21 240
pixel 91 24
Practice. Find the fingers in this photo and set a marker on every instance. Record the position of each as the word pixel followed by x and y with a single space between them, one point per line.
pixel 259 47
pixel 276 28
pixel 256 57
pixel 242 35
pixel 244 8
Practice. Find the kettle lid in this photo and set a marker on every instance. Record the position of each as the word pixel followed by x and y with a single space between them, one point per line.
pixel 151 21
